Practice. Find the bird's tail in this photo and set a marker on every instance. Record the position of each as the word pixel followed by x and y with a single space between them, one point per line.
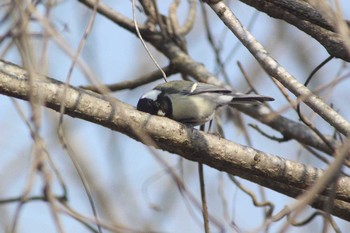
pixel 250 99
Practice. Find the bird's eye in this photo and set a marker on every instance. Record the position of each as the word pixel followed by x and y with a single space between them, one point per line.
pixel 148 105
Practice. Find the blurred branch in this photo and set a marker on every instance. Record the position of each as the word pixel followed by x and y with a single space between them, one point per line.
pixel 131 84
pixel 116 17
pixel 304 16
pixel 284 176
pixel 312 216
pixel 329 179
pixel 190 20
pixel 270 206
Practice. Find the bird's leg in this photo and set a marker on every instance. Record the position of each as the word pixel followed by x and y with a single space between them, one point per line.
pixel 210 123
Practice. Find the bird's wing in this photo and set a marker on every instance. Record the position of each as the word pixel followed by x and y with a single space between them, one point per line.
pixel 189 88
pixel 198 88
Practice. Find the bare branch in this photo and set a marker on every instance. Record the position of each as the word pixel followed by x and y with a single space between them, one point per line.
pixel 131 84
pixel 288 177
pixel 308 19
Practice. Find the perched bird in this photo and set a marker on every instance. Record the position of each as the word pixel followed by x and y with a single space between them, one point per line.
pixel 192 103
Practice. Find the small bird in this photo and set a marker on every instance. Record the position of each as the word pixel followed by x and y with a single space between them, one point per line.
pixel 192 103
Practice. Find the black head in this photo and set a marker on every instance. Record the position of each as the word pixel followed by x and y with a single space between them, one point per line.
pixel 155 103
pixel 148 105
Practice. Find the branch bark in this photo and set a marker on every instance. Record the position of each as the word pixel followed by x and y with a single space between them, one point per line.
pixel 305 17
pixel 284 176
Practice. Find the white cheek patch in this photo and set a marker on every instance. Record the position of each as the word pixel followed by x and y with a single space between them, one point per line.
pixel 152 95
pixel 193 88
pixel 160 113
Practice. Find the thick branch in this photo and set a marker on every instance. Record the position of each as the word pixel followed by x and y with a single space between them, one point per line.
pixel 303 16
pixel 288 177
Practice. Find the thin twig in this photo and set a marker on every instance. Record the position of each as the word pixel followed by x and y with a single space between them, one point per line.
pixel 213 45
pixel 131 84
pixel 303 118
pixel 143 42
pixel 256 203
pixel 274 138
pixel 203 193
pixel 203 197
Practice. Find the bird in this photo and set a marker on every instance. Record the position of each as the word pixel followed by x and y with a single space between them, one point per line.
pixel 192 103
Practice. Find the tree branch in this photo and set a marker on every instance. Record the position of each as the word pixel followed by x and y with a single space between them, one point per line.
pixel 302 15
pixel 287 177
